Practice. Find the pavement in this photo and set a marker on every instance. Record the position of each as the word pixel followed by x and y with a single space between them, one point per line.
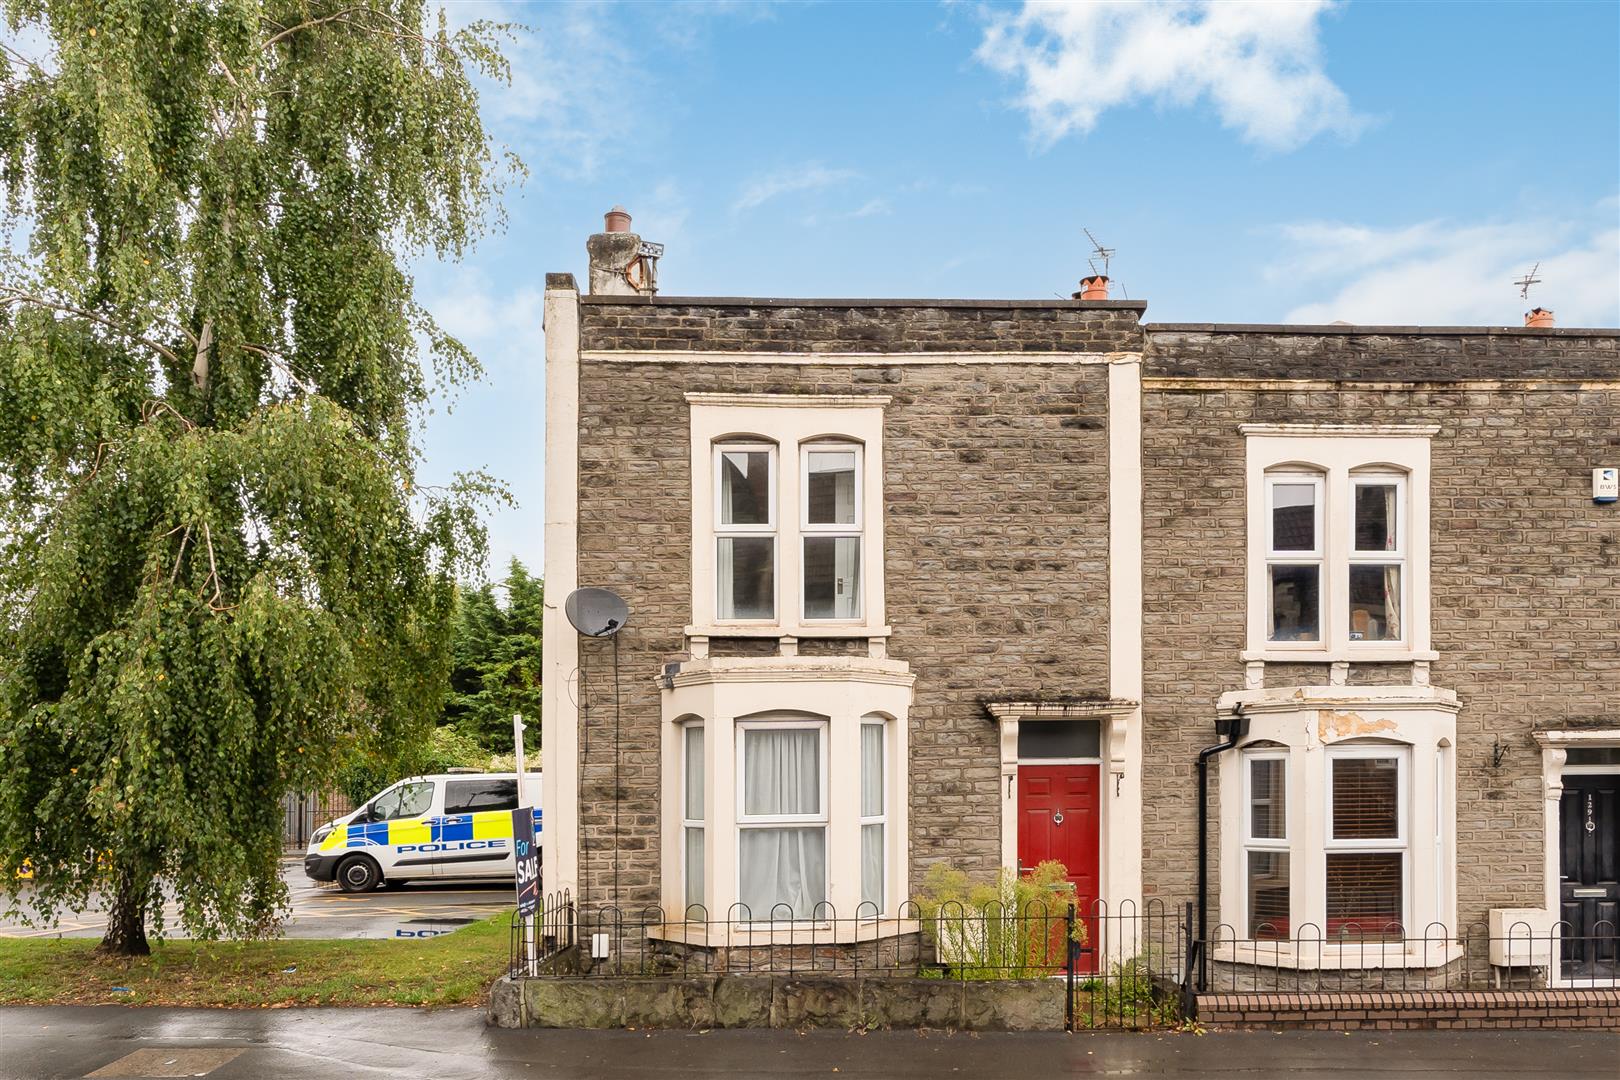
pixel 410 910
pixel 454 1044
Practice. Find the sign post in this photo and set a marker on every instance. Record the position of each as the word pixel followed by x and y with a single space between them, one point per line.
pixel 526 854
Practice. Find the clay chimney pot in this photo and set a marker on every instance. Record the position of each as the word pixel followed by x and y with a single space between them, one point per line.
pixel 1094 287
pixel 616 220
pixel 1539 317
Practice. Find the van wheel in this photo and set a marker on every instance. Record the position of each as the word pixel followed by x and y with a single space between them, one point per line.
pixel 358 873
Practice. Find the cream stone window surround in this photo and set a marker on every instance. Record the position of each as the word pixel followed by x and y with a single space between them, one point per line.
pixel 794 423
pixel 1311 727
pixel 1341 455
pixel 728 694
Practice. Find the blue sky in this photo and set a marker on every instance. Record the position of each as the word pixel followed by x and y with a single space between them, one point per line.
pixel 1374 162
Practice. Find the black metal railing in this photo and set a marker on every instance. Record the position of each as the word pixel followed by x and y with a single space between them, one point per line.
pixel 1356 957
pixel 1120 967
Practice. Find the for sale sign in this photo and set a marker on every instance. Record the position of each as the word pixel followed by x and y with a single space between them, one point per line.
pixel 528 861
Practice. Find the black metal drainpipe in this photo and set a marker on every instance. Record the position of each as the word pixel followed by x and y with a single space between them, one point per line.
pixel 1236 729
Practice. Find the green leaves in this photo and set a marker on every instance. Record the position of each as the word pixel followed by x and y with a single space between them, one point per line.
pixel 217 573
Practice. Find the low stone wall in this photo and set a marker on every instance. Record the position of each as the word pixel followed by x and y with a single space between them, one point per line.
pixel 1226 976
pixel 779 1001
pixel 1415 1009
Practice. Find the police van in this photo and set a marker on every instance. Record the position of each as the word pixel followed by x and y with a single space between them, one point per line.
pixel 440 827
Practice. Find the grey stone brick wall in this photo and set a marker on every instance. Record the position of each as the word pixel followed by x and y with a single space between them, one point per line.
pixel 996 519
pixel 1382 353
pixel 760 325
pixel 1525 568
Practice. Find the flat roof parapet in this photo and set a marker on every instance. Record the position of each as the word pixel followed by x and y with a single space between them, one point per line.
pixel 1137 306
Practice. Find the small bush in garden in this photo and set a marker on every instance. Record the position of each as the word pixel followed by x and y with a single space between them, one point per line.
pixel 1012 928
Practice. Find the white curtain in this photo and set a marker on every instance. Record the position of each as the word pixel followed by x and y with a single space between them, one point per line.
pixel 725 580
pixel 694 868
pixel 1392 602
pixel 872 806
pixel 694 773
pixel 871 770
pixel 782 866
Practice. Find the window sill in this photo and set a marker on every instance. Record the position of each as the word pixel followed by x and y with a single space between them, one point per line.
pixel 802 631
pixel 1309 955
pixel 1364 655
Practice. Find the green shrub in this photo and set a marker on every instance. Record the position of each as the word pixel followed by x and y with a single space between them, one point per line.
pixel 1012 928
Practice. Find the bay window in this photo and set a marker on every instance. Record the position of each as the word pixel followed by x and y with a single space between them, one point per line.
pixel 1339 845
pixel 781 818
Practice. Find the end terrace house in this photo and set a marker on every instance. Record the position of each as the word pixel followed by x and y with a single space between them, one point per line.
pixel 984 581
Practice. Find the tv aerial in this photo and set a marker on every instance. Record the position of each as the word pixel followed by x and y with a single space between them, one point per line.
pixel 1102 255
pixel 598 613
pixel 1528 280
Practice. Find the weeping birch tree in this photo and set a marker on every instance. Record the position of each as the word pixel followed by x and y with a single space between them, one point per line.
pixel 217 574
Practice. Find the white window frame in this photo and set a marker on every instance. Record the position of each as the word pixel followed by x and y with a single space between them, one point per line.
pixel 1373 477
pixel 1400 844
pixel 1343 454
pixel 723 531
pixel 688 823
pixel 878 819
pixel 855 531
pixel 1316 557
pixel 1267 844
pixel 820 820
pixel 787 422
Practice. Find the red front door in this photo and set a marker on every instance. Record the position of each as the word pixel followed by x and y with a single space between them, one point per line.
pixel 1059 817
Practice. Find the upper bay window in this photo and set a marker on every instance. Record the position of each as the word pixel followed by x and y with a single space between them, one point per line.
pixel 1338 542
pixel 787 529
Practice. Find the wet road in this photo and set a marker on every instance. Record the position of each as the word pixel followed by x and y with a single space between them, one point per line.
pixel 303 1044
pixel 323 911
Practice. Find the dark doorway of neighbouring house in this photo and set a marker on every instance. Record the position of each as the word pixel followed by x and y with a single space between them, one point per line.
pixel 1589 827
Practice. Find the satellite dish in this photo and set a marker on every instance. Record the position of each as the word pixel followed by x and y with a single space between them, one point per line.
pixel 596 612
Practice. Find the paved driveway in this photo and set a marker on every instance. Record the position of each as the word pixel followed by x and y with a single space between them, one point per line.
pixel 323 911
pixel 304 1044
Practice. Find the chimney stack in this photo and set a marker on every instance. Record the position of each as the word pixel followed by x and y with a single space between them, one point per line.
pixel 1094 287
pixel 620 264
pixel 1539 316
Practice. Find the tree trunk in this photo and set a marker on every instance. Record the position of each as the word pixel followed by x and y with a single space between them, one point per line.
pixel 126 919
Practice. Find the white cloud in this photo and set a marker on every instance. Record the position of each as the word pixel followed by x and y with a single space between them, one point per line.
pixel 810 176
pixel 1258 63
pixel 1439 273
pixel 872 208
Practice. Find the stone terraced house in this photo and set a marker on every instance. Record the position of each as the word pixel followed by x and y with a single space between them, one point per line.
pixel 981 580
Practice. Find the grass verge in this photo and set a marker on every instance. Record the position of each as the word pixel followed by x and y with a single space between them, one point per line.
pixel 452 969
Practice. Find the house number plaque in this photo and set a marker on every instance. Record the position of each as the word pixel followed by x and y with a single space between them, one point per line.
pixel 1591 826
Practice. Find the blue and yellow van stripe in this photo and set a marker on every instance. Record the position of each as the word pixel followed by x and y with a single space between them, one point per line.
pixel 488 825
